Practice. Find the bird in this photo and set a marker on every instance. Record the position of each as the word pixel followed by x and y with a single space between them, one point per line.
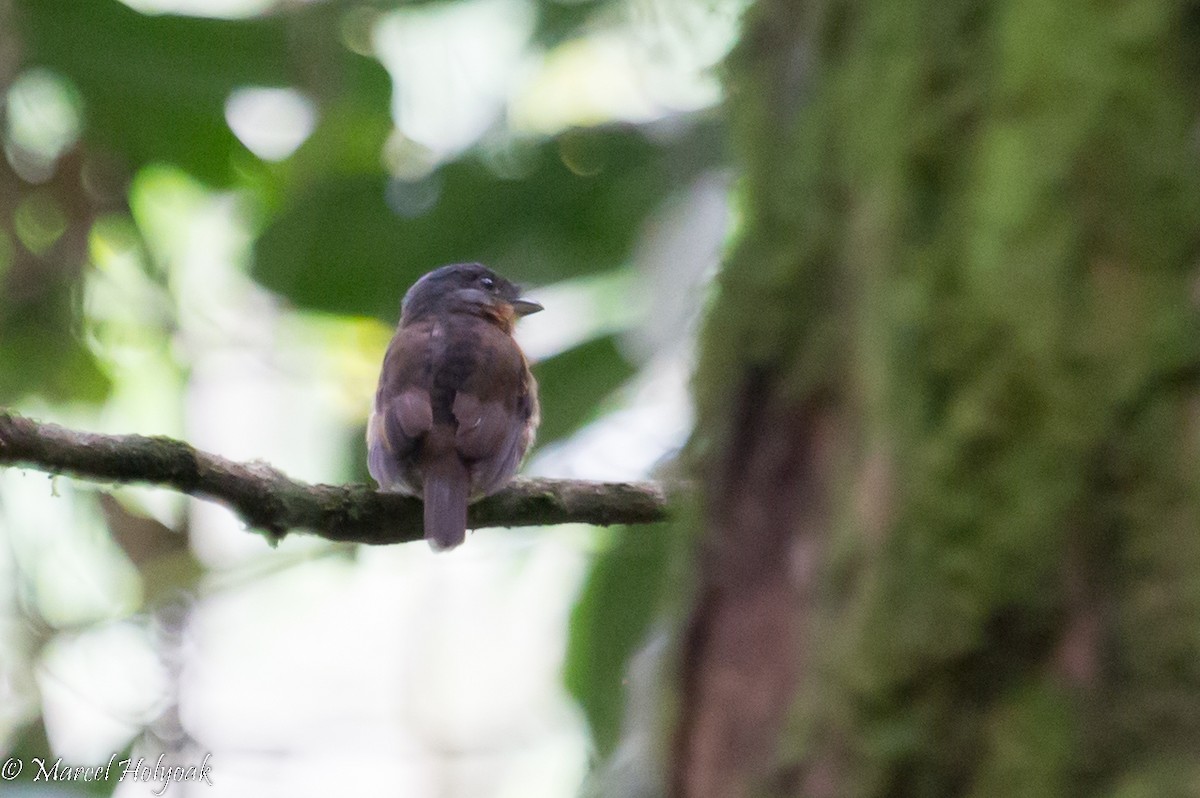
pixel 456 409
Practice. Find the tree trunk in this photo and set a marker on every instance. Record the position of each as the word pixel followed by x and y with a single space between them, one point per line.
pixel 947 419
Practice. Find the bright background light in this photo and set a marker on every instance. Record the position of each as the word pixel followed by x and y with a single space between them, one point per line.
pixel 312 668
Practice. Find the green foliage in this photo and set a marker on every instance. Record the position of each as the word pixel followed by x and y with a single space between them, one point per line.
pixel 571 384
pixel 334 231
pixel 154 88
pixel 339 234
pixel 610 620
pixel 42 352
pixel 574 206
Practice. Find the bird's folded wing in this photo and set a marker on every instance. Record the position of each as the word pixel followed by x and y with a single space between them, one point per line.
pixel 393 432
pixel 492 437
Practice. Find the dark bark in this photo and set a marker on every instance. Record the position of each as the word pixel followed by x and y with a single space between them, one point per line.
pixel 744 645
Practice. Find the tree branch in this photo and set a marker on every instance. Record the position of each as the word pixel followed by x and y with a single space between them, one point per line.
pixel 266 498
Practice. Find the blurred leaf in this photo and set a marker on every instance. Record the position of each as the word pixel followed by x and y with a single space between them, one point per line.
pixel 40 355
pixel 154 87
pixel 572 384
pixel 43 244
pixel 610 621
pixel 354 245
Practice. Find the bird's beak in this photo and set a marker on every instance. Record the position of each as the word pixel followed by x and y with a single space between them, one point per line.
pixel 523 307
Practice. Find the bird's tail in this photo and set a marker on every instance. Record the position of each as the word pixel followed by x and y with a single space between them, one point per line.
pixel 447 486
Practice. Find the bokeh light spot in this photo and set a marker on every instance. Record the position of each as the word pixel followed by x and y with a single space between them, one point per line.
pixel 413 198
pixel 45 117
pixel 113 239
pixel 509 157
pixel 578 156
pixel 358 29
pixel 271 122
pixel 39 222
pixel 406 159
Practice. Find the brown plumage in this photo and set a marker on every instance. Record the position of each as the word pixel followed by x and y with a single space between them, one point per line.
pixel 456 407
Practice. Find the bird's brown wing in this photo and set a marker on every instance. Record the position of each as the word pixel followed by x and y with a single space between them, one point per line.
pixel 403 413
pixel 493 408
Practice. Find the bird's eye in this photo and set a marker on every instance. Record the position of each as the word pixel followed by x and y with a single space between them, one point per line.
pixel 487 282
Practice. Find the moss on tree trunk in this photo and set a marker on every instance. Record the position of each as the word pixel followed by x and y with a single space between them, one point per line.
pixel 948 409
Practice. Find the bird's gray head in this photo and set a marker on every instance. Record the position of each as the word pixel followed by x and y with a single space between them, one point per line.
pixel 469 287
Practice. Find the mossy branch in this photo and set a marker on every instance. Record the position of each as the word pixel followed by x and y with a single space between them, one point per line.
pixel 267 499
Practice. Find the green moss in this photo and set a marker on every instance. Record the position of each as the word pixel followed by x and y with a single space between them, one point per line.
pixel 976 225
pixel 1031 744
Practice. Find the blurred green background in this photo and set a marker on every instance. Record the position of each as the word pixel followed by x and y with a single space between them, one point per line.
pixel 209 210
